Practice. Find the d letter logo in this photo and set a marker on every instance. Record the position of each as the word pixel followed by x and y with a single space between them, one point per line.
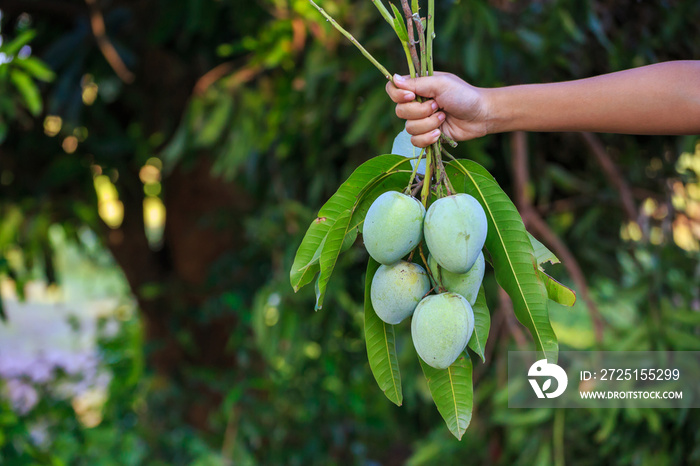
pixel 544 369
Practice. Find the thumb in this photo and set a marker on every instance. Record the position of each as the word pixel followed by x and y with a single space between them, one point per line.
pixel 427 86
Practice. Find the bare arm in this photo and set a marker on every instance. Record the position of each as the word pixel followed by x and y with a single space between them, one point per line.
pixel 655 99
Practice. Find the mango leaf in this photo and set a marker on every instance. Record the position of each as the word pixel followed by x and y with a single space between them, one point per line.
pixel 329 255
pixel 542 254
pixel 399 24
pixel 452 393
pixel 348 196
pixel 512 253
pixel 28 90
pixel 305 266
pixel 361 181
pixel 381 345
pixel 555 291
pixel 482 324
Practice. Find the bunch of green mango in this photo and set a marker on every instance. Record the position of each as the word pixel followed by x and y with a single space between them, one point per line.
pixel 454 229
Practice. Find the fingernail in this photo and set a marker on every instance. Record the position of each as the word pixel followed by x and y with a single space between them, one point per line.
pixel 441 116
pixel 435 133
pixel 409 95
pixel 433 105
pixel 399 79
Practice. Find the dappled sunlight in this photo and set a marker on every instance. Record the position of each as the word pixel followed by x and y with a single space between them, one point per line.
pixel 109 207
pixel 90 90
pixel 676 218
pixel 686 200
pixel 153 207
pixel 70 144
pixel 52 125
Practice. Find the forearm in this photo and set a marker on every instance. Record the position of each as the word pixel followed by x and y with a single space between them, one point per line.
pixel 656 99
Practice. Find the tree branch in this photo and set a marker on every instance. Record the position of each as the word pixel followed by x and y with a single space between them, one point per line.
pixel 97 23
pixel 533 221
pixel 612 174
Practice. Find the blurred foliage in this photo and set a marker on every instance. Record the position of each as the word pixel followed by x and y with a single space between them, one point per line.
pixel 268 97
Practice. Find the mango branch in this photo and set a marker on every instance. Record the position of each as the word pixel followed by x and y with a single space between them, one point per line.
pixel 430 35
pixel 448 140
pixel 411 66
pixel 428 176
pixel 415 171
pixel 411 40
pixel 423 51
pixel 404 43
pixel 352 39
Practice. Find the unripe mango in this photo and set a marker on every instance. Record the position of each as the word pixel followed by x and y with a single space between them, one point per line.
pixel 393 227
pixel 441 328
pixel 397 289
pixel 465 284
pixel 455 231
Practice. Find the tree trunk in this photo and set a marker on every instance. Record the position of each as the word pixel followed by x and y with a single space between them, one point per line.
pixel 173 285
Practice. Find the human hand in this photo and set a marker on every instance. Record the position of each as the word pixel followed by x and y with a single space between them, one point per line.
pixel 452 106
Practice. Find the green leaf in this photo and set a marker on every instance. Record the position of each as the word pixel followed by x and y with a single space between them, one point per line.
pixel 556 291
pixel 36 68
pixel 13 47
pixel 348 197
pixel 482 324
pixel 512 253
pixel 452 393
pixel 399 24
pixel 330 253
pixel 381 345
pixel 216 122
pixel 542 254
pixel 360 181
pixel 384 12
pixel 305 266
pixel 28 90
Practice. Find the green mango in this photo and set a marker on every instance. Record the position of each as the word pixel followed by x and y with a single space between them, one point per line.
pixel 397 289
pixel 393 227
pixel 465 284
pixel 441 328
pixel 455 231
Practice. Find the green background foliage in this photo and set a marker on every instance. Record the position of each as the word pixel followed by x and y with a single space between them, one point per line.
pixel 256 112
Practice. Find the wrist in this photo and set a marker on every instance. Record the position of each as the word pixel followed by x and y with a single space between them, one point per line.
pixel 499 111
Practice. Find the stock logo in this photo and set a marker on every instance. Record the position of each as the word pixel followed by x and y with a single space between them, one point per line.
pixel 544 369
